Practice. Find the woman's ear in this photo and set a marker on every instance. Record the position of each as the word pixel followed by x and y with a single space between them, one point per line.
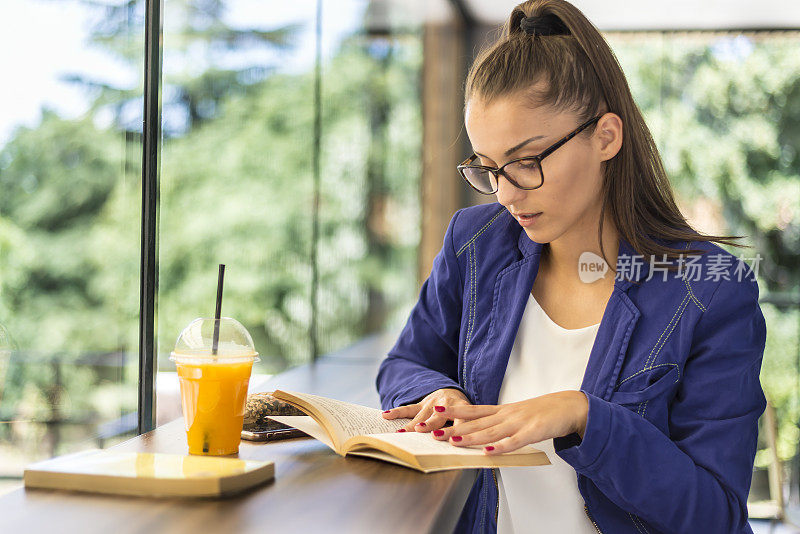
pixel 608 135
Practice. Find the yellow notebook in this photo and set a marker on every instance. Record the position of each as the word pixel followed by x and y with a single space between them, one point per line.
pixel 148 474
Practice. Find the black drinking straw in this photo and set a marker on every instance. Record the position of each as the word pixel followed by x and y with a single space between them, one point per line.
pixel 218 313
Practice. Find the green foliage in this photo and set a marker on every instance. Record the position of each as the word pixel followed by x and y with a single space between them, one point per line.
pixel 60 182
pixel 726 124
pixel 239 191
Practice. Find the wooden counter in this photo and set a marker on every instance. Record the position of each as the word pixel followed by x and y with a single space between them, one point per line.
pixel 314 490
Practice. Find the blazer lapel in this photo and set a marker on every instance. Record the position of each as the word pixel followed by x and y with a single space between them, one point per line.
pixel 610 345
pixel 512 287
pixel 616 327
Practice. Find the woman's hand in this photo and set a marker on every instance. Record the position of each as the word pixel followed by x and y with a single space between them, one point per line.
pixel 507 427
pixel 424 417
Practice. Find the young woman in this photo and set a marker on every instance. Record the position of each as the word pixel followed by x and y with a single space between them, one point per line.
pixel 641 382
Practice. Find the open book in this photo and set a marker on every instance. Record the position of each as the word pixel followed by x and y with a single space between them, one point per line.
pixel 359 430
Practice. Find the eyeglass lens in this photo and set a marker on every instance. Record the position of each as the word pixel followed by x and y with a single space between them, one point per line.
pixel 526 173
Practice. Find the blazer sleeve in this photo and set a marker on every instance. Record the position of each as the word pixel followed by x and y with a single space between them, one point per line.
pixel 697 479
pixel 425 356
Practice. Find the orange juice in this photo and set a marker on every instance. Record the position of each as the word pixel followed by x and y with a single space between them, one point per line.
pixel 213 395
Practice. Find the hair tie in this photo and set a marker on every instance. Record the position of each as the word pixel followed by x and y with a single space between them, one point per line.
pixel 543 25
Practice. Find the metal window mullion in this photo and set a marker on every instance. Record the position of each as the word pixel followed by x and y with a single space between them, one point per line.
pixel 314 341
pixel 148 288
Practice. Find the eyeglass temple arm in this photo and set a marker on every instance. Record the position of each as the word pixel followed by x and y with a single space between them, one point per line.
pixel 567 138
pixel 470 159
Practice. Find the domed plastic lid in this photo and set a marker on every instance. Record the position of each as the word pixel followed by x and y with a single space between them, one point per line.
pixel 197 340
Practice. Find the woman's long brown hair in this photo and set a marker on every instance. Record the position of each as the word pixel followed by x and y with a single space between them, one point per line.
pixel 582 75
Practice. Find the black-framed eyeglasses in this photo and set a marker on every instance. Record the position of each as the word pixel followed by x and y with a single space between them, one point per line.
pixel 523 173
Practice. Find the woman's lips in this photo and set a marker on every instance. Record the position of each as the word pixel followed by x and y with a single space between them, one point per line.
pixel 527 219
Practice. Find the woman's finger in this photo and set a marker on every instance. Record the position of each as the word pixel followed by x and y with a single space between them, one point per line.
pixel 421 416
pixel 460 428
pixel 506 444
pixel 484 436
pixel 410 410
pixel 467 411
pixel 434 422
pixel 471 426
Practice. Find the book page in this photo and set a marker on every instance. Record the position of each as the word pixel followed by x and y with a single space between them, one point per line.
pixel 346 419
pixel 423 443
pixel 307 424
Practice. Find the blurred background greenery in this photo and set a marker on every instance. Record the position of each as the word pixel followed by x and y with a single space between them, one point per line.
pixel 237 188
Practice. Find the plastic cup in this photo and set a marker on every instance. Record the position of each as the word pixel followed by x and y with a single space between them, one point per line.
pixel 214 385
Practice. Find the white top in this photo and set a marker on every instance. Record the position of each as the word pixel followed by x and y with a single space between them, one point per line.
pixel 545 358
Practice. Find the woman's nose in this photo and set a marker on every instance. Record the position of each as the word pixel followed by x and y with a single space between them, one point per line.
pixel 507 193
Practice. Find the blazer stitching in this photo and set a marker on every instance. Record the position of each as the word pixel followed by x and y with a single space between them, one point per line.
pixel 630 515
pixel 473 238
pixel 649 369
pixel 658 341
pixel 664 342
pixel 691 294
pixel 470 311
pixel 497 487
pixel 637 522
pixel 453 248
pixel 483 510
pixel 670 326
pixel 470 317
pixel 461 284
pixel 473 290
pixel 689 286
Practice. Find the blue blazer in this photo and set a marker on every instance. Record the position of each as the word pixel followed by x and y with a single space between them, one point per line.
pixel 672 379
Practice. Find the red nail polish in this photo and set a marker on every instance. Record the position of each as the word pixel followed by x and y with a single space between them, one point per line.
pixel 402 430
pixel 489 448
pixel 438 432
pixel 439 408
pixel 387 411
pixel 422 424
pixel 456 438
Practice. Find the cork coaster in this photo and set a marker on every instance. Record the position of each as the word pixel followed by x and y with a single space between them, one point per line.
pixel 260 405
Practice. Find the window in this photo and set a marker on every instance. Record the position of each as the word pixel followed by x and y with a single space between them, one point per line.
pixel 70 172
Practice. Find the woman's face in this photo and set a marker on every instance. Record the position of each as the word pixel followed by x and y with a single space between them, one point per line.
pixel 570 197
